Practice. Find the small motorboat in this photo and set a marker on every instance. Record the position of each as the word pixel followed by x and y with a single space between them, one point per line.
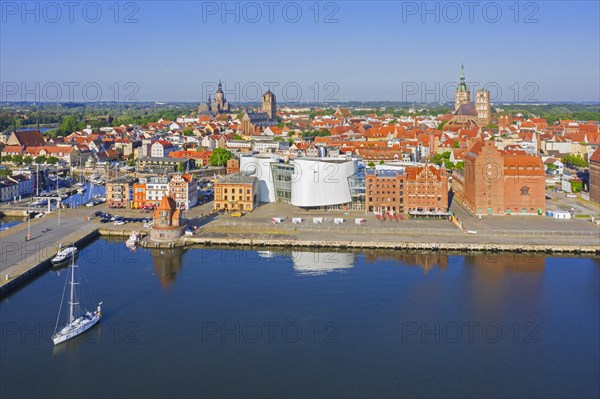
pixel 64 255
pixel 133 239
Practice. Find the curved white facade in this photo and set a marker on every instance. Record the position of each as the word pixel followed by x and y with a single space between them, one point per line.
pixel 260 167
pixel 321 182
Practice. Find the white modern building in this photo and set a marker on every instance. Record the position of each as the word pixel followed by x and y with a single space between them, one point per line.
pixel 322 181
pixel 259 166
pixel 304 182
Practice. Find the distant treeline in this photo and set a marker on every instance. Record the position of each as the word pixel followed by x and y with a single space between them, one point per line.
pixel 555 112
pixel 71 117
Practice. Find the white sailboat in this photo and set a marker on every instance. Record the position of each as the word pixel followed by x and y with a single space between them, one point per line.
pixel 79 320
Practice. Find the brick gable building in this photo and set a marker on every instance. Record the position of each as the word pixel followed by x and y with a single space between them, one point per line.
pixel 595 176
pixel 501 182
pixel 415 189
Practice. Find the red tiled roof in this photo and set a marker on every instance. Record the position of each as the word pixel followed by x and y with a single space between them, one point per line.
pixel 595 156
pixel 30 138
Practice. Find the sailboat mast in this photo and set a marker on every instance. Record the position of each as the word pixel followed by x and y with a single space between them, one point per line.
pixel 71 304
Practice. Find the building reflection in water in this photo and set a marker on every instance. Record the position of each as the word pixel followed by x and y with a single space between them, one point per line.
pixel 167 263
pixel 491 264
pixel 424 260
pixel 499 263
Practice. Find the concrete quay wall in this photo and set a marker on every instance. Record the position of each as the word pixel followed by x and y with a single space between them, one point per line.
pixel 425 246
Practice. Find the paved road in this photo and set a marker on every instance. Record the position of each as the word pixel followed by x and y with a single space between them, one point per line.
pixel 46 235
pixel 522 223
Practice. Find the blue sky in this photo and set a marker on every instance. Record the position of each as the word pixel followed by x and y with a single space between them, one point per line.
pixel 357 50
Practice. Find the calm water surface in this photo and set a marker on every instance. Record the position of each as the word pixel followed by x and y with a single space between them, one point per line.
pixel 231 323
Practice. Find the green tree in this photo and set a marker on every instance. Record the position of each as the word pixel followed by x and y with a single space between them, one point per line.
pixel 382 162
pixel 575 160
pixel 455 144
pixel 40 159
pixel 52 160
pixel 181 167
pixel 371 164
pixel 449 165
pixel 131 162
pixel 18 159
pixel 220 156
pixel 438 159
pixel 28 160
pixel 237 137
pixel 69 124
pixel 187 132
pixel 460 165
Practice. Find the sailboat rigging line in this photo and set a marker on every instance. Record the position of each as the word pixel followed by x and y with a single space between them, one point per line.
pixel 87 285
pixel 62 299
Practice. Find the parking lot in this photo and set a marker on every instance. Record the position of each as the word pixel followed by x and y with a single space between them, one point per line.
pixel 105 217
pixel 265 213
pixel 559 201
pixel 516 223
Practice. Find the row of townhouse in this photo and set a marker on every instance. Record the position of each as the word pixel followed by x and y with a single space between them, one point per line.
pixel 149 191
pixel 9 190
pixel 16 186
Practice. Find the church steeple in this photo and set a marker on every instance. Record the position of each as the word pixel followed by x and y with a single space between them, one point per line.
pixel 462 86
pixel 462 95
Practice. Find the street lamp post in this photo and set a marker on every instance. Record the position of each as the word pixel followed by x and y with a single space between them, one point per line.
pixel 28 223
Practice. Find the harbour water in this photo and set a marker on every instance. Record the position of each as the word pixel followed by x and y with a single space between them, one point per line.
pixel 80 199
pixel 8 222
pixel 206 322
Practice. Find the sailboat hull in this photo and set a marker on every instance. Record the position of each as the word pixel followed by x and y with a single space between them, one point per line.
pixel 77 327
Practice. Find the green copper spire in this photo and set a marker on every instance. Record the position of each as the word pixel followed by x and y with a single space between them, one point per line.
pixel 462 86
